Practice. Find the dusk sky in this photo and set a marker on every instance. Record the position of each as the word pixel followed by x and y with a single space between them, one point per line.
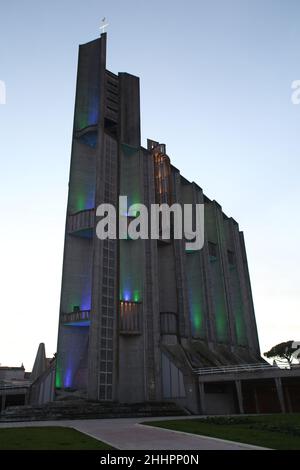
pixel 215 81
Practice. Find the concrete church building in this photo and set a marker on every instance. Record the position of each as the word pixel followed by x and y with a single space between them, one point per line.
pixel 139 318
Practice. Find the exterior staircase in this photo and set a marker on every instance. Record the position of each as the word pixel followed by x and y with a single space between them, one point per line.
pixel 83 409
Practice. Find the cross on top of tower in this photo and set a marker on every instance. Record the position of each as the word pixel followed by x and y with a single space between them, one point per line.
pixel 104 24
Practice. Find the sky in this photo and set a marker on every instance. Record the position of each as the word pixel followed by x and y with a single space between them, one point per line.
pixel 215 81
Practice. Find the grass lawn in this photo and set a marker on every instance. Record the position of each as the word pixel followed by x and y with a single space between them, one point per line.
pixel 52 438
pixel 280 431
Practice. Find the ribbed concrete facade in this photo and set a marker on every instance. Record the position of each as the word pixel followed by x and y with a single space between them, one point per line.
pixel 136 317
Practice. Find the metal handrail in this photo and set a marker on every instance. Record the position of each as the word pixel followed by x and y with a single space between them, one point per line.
pixel 75 316
pixel 11 387
pixel 232 368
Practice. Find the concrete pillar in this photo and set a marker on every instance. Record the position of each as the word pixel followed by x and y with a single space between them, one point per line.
pixel 3 399
pixel 202 398
pixel 239 392
pixel 280 394
pixel 288 401
pixel 256 400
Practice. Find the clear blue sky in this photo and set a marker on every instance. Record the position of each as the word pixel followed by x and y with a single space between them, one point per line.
pixel 215 87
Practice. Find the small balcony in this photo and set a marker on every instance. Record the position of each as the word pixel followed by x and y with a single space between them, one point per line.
pixel 76 318
pixel 88 136
pixel 81 223
pixel 130 313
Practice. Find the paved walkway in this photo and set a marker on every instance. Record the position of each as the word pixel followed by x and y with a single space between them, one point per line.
pixel 129 434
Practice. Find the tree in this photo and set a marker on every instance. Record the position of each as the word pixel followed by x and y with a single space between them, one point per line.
pixel 284 352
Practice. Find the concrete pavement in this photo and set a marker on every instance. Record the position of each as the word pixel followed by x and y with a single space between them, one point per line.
pixel 130 434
